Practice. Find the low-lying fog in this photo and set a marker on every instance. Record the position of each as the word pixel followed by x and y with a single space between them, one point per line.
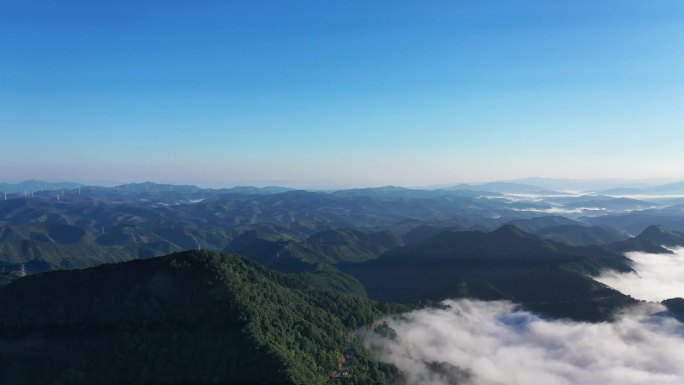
pixel 488 343
pixel 658 276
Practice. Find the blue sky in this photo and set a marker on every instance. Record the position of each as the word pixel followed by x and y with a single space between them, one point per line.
pixel 340 93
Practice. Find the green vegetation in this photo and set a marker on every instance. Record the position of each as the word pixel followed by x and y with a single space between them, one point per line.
pixel 102 225
pixel 651 240
pixel 320 265
pixel 543 275
pixel 577 235
pixel 192 317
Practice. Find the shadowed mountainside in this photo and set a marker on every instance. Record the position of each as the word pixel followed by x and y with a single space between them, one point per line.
pixel 192 317
pixel 543 275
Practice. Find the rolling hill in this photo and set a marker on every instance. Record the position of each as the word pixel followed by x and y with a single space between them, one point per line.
pixel 577 235
pixel 543 275
pixel 190 318
pixel 654 239
pixel 532 225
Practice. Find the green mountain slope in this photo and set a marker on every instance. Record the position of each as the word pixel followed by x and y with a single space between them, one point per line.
pixel 187 318
pixel 331 246
pixel 543 275
pixel 46 246
pixel 576 235
pixel 653 239
pixel 532 225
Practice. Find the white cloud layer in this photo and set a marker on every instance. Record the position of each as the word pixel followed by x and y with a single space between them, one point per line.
pixel 560 210
pixel 658 276
pixel 493 343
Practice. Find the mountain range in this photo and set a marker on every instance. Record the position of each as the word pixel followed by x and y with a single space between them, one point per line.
pixel 154 283
pixel 547 276
pixel 192 317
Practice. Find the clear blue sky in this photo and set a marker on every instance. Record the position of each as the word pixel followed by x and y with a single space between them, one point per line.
pixel 340 93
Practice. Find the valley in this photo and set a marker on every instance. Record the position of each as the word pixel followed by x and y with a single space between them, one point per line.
pixel 129 269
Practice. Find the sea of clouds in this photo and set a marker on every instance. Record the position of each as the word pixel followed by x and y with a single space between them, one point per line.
pixel 495 343
pixel 657 276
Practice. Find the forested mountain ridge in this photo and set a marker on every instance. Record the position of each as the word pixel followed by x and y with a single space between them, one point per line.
pixel 87 226
pixel 131 222
pixel 654 239
pixel 543 275
pixel 576 235
pixel 202 317
pixel 193 317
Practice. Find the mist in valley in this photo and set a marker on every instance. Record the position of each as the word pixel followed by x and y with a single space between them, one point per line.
pixel 490 343
pixel 656 277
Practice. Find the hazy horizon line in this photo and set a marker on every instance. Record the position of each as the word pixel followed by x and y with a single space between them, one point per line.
pixel 342 185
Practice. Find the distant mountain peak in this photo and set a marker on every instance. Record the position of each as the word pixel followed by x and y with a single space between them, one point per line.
pixel 513 230
pixel 505 188
pixel 654 239
pixel 657 231
pixel 508 227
